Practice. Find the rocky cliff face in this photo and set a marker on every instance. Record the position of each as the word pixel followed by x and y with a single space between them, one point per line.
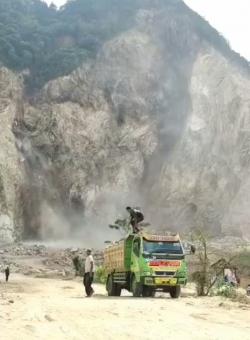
pixel 206 176
pixel 11 175
pixel 160 120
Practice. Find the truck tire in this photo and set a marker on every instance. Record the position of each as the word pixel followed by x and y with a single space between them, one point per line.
pixel 175 292
pixel 112 288
pixel 148 291
pixel 136 287
pixel 118 290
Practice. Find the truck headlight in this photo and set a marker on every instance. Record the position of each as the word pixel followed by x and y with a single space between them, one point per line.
pixel 149 280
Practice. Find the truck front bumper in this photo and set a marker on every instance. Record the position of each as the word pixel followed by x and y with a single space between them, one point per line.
pixel 163 281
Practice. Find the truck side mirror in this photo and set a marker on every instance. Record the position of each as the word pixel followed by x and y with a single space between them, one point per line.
pixel 136 248
pixel 189 249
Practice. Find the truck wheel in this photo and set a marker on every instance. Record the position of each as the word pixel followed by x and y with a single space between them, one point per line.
pixel 175 291
pixel 136 287
pixel 112 288
pixel 118 290
pixel 148 291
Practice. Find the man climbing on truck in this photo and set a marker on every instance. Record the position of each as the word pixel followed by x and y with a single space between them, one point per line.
pixel 136 216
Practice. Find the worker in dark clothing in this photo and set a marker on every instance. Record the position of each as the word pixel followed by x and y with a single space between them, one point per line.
pixel 7 274
pixel 135 217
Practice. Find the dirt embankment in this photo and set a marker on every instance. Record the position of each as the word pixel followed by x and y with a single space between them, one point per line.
pixel 32 308
pixel 43 261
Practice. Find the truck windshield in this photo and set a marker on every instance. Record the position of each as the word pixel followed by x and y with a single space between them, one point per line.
pixel 162 247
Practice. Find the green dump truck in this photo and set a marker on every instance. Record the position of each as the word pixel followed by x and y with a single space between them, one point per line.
pixel 144 263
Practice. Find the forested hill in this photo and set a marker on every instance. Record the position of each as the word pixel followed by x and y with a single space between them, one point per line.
pixel 51 42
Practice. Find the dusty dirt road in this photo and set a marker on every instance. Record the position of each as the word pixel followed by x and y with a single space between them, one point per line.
pixel 49 309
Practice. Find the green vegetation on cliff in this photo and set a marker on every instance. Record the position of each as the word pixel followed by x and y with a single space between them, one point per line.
pixel 51 42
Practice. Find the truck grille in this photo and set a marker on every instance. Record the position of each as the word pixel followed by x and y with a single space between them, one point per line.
pixel 165 273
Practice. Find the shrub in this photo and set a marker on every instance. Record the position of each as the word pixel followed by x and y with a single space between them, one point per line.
pixel 227 291
pixel 78 266
pixel 100 275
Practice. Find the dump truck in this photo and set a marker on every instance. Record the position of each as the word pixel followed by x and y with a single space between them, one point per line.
pixel 144 263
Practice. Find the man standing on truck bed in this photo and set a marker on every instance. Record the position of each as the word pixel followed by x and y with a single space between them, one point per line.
pixel 135 217
pixel 89 274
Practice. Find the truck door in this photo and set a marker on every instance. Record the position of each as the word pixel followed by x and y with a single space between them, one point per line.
pixel 135 265
pixel 136 247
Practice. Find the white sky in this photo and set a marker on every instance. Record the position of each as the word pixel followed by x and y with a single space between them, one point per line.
pixel 56 2
pixel 230 17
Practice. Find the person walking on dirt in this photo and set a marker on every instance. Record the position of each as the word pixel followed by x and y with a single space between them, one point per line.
pixel 7 273
pixel 135 217
pixel 89 274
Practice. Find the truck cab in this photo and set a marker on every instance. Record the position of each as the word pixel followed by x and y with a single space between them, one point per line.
pixel 144 263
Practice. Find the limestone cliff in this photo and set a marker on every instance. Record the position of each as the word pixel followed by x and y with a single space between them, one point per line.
pixel 11 175
pixel 207 174
pixel 159 119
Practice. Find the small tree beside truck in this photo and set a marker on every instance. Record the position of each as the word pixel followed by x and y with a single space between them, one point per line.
pixel 144 263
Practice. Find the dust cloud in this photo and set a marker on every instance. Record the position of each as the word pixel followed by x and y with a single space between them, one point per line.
pixel 89 230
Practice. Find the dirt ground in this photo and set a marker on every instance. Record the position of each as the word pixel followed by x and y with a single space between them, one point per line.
pixel 32 308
